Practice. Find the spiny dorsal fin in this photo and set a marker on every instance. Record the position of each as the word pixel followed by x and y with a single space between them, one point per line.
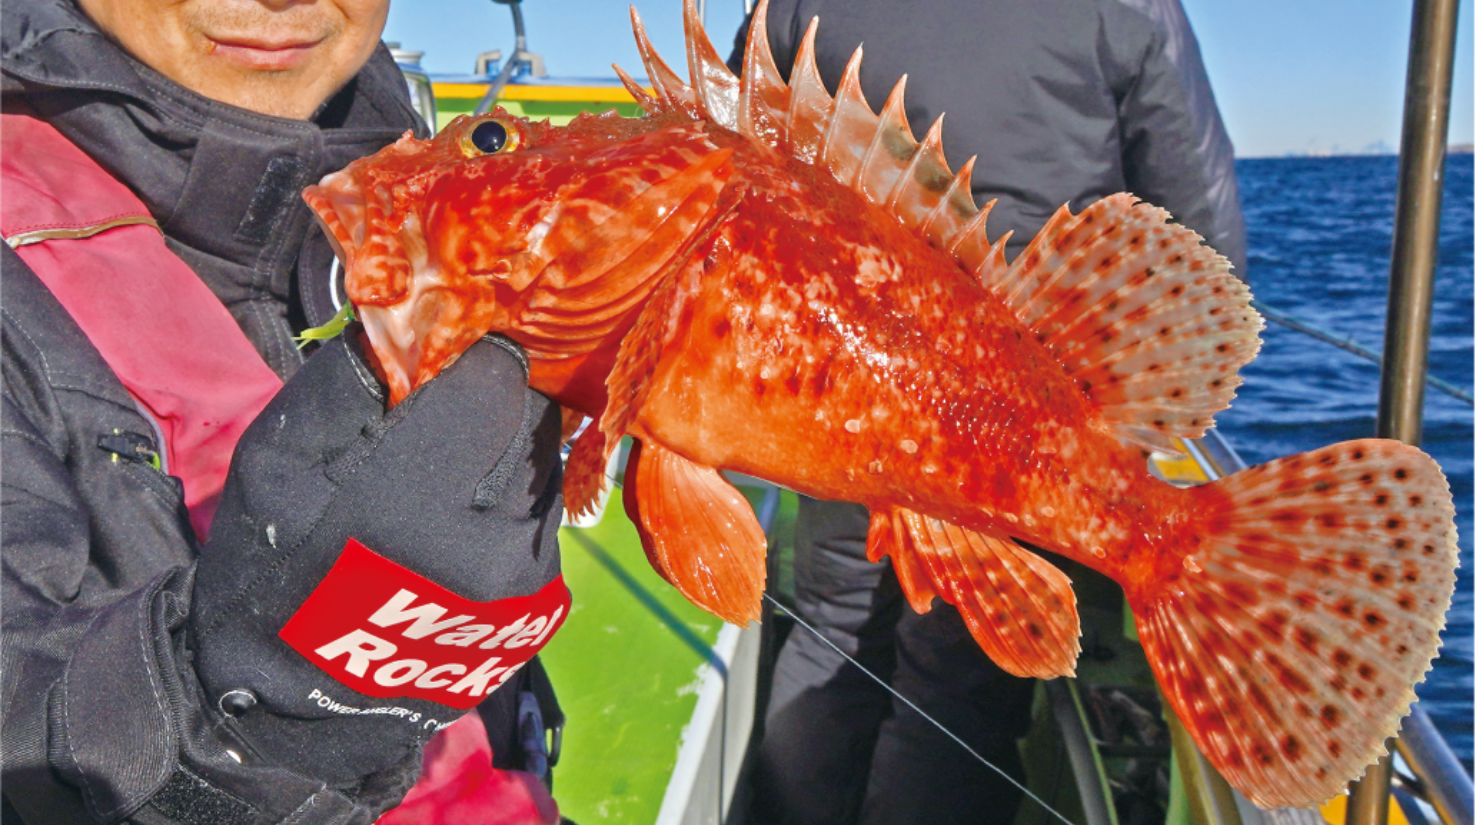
pixel 715 85
pixel 850 128
pixel 763 99
pixel 891 150
pixel 809 104
pixel 928 169
pixel 672 93
pixel 876 156
pixel 1149 322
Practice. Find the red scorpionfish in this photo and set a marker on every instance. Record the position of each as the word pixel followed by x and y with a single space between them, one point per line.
pixel 759 277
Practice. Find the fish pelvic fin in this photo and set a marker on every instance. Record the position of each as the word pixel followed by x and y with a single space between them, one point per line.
pixel 1290 639
pixel 1018 607
pixel 1147 320
pixel 698 531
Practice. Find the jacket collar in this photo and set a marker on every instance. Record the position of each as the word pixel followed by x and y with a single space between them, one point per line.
pixel 223 183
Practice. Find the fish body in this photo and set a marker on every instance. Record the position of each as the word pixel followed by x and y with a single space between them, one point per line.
pixel 817 329
pixel 760 277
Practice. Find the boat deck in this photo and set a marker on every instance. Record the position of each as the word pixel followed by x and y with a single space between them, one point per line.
pixel 633 665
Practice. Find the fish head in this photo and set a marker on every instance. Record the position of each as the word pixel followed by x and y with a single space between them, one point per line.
pixel 500 224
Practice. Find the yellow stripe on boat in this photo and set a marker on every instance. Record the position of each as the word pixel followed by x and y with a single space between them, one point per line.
pixel 559 103
pixel 516 91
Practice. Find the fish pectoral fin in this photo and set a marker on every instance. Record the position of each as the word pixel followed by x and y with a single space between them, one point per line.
pixel 1020 608
pixel 584 477
pixel 698 531
pixel 570 420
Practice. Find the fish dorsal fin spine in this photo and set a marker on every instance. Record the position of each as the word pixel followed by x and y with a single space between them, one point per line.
pixel 1147 320
pixel 671 93
pixel 809 104
pixel 763 102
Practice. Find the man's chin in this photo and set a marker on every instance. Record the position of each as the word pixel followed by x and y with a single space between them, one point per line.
pixel 290 93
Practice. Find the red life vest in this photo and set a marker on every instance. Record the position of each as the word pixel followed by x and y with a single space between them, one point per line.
pixel 170 341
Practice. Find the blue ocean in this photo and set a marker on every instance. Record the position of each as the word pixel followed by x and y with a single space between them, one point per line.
pixel 1320 241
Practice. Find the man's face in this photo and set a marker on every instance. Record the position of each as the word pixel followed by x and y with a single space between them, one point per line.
pixel 276 57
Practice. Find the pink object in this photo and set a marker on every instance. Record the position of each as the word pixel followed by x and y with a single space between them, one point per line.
pixel 459 785
pixel 168 338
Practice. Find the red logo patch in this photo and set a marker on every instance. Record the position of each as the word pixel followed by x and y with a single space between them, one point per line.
pixel 388 632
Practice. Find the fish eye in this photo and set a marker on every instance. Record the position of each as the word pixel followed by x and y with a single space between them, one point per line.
pixel 489 137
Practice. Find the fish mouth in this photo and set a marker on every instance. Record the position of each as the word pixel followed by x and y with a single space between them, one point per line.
pixel 377 271
pixel 338 204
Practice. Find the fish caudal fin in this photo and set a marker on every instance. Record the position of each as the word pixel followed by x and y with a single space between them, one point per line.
pixel 1018 607
pixel 698 531
pixel 1291 638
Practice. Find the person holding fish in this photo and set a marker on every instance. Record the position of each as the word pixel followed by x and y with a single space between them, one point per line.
pixel 1059 103
pixel 190 638
pixel 760 276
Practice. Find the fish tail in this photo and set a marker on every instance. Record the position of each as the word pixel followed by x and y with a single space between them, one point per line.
pixel 1289 639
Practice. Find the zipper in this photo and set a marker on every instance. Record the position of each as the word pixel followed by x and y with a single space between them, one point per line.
pixel 131 447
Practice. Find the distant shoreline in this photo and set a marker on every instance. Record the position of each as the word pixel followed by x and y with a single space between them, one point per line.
pixel 1454 149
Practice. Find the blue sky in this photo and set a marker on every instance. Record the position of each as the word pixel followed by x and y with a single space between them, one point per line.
pixel 1289 75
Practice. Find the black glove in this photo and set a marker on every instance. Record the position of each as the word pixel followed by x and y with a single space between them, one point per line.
pixel 370 576
pixel 182 704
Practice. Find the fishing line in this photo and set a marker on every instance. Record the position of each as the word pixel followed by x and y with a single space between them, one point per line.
pixel 1346 343
pixel 909 703
pixel 616 485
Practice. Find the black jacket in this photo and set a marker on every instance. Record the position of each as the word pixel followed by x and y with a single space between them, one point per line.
pixel 1062 101
pixel 89 542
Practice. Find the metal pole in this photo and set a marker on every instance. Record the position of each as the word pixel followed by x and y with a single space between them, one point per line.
pixel 1411 281
pixel 1416 230
pixel 1445 781
pixel 520 46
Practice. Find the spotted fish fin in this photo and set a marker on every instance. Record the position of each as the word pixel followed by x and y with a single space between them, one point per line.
pixel 1147 319
pixel 698 531
pixel 1020 608
pixel 1290 638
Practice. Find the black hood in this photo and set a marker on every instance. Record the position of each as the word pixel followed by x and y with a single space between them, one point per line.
pixel 224 183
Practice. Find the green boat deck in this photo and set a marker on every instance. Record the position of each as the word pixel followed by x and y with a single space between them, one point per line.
pixel 629 666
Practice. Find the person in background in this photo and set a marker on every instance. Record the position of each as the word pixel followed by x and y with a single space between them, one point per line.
pixel 190 638
pixel 1062 102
